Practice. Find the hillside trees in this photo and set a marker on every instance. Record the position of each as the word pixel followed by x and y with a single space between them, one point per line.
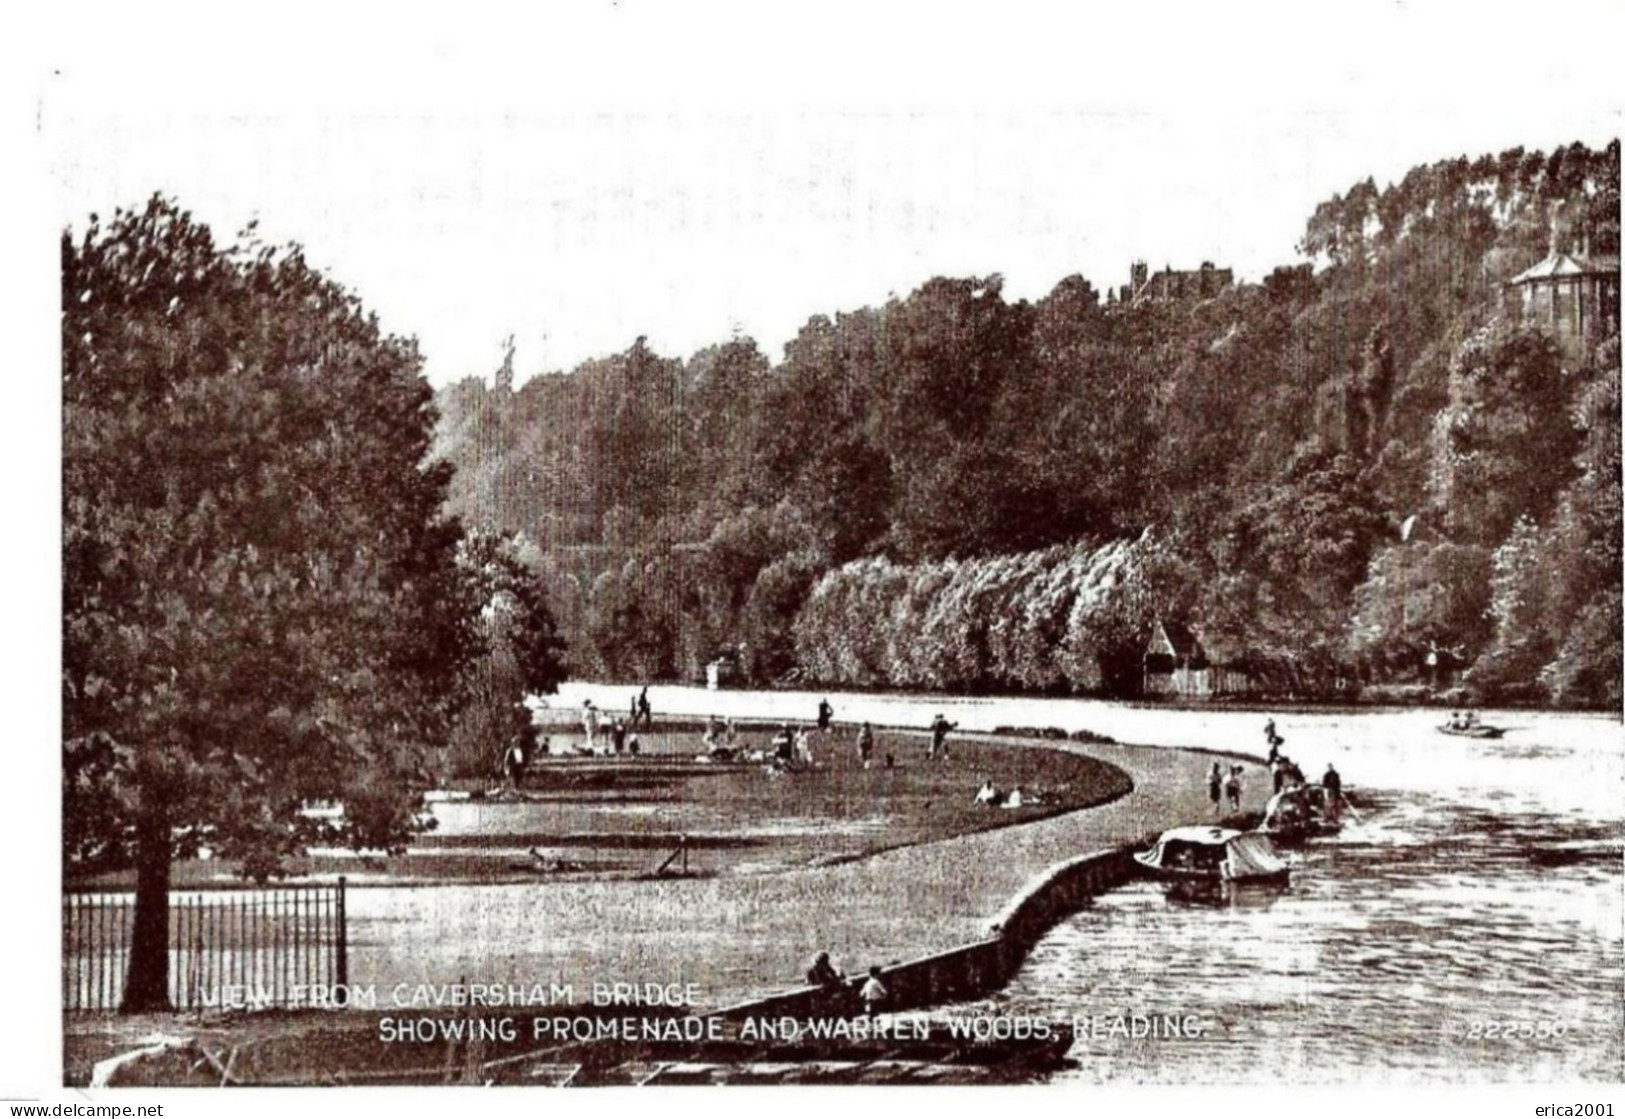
pixel 1272 437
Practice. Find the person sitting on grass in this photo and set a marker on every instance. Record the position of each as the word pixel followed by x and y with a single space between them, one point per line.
pixel 783 744
pixel 1013 798
pixel 823 973
pixel 987 795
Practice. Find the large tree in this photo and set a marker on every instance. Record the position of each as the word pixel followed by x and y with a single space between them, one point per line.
pixel 260 605
pixel 519 653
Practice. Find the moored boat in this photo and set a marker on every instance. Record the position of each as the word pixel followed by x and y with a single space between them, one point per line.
pixel 1298 813
pixel 1213 854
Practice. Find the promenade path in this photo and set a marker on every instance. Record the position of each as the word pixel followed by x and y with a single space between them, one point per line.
pixel 737 936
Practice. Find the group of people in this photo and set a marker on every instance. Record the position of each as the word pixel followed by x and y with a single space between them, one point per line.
pixel 989 796
pixel 872 993
pixel 1222 786
pixel 639 709
pixel 1463 720
pixel 622 739
pixel 1225 786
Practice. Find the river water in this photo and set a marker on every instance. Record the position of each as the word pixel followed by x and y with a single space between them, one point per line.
pixel 1470 926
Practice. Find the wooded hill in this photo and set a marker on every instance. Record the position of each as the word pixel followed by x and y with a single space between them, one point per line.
pixel 962 491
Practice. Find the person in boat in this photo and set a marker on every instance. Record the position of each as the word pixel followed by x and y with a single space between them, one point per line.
pixel 1215 788
pixel 873 992
pixel 1455 720
pixel 823 973
pixel 1232 788
pixel 1470 720
pixel 939 736
pixel 825 714
pixel 866 744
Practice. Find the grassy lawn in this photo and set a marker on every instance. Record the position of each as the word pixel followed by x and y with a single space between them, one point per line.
pixel 600 817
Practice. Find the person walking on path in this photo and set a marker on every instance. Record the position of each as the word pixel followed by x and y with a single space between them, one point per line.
pixel 1232 788
pixel 643 708
pixel 1215 787
pixel 939 736
pixel 866 745
pixel 825 714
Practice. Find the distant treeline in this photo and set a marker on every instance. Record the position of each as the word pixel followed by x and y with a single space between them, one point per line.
pixel 954 490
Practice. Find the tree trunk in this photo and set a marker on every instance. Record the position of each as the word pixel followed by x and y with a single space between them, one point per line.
pixel 146 983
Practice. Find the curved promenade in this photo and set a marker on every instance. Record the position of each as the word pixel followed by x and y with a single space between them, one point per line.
pixel 744 936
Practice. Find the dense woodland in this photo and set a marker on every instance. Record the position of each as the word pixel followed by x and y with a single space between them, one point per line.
pixel 958 490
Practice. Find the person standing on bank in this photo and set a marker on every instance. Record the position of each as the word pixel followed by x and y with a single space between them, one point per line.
pixel 1232 788
pixel 866 745
pixel 1333 784
pixel 1215 787
pixel 589 723
pixel 939 736
pixel 513 765
pixel 825 714
pixel 643 709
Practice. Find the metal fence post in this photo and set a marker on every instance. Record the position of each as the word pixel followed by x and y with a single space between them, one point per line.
pixel 342 952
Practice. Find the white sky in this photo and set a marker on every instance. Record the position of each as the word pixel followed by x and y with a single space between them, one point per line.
pixel 607 171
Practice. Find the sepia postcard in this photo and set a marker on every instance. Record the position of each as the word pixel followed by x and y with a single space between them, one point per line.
pixel 706 545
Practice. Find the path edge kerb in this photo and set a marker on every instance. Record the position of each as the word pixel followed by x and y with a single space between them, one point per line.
pixel 974 970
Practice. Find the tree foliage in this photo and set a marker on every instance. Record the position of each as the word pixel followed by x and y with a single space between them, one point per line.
pixel 1273 437
pixel 259 597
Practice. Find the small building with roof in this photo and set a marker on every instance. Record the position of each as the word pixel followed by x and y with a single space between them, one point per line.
pixel 1572 295
pixel 1178 665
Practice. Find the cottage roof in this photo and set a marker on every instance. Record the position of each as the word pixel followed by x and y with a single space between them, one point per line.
pixel 1559 265
pixel 1181 639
